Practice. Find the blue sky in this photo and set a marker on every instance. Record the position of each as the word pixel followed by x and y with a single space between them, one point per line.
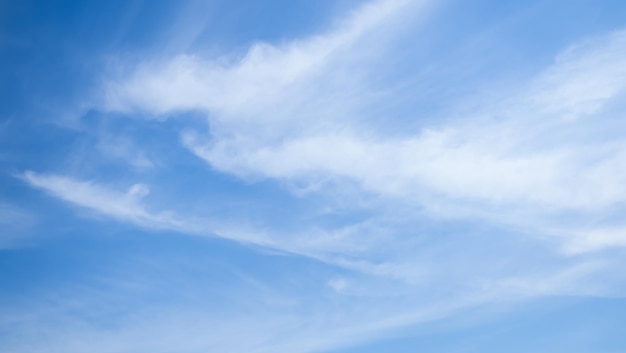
pixel 312 176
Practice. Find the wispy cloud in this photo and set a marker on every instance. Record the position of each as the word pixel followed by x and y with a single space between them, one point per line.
pixel 501 200
pixel 298 113
pixel 239 89
pixel 473 157
pixel 293 321
pixel 281 112
pixel 124 206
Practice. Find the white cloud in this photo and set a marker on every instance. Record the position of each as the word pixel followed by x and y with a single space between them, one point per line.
pixel 585 240
pixel 540 152
pixel 489 161
pixel 584 78
pixel 299 112
pixel 130 206
pixel 292 322
pixel 260 81
pixel 437 162
pixel 281 112
pixel 123 206
pixel 201 330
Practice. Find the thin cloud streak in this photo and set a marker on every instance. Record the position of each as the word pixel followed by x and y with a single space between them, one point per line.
pixel 258 81
pixel 123 206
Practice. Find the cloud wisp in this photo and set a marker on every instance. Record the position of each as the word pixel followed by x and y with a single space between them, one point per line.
pixel 297 112
pixel 123 206
pixel 501 200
